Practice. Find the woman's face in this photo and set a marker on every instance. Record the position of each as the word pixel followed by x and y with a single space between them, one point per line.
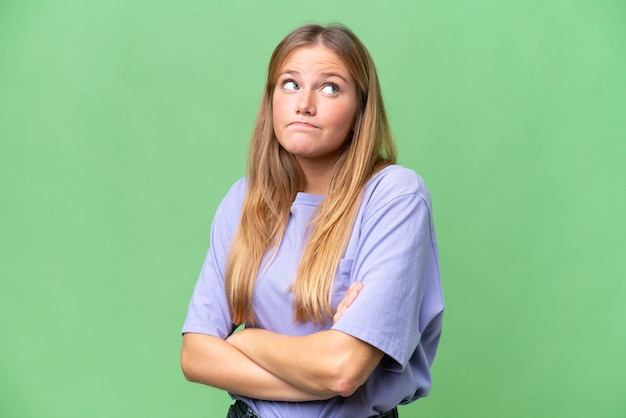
pixel 314 105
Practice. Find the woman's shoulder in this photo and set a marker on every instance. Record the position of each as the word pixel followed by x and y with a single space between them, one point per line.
pixel 239 187
pixel 395 181
pixel 233 200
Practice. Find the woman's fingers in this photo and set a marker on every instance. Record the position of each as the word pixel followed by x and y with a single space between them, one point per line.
pixel 351 295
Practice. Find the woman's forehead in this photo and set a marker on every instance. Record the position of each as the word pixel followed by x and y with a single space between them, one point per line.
pixel 320 56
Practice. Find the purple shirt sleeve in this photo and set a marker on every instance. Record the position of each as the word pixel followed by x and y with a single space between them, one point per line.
pixel 394 254
pixel 208 309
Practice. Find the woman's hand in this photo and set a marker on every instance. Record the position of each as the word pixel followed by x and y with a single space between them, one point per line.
pixel 351 294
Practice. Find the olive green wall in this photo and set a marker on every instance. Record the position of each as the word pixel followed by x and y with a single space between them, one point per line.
pixel 123 123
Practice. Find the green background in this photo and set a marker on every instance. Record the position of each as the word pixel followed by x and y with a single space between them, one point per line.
pixel 123 123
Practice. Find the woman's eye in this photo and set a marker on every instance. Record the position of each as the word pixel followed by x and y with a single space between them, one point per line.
pixel 331 89
pixel 290 85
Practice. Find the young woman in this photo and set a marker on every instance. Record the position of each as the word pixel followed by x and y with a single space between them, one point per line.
pixel 325 251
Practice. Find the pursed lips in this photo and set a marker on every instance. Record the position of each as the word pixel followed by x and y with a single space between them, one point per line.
pixel 303 124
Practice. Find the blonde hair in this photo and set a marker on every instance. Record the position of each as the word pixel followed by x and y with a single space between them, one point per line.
pixel 274 178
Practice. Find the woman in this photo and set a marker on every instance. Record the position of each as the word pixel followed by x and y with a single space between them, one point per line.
pixel 325 251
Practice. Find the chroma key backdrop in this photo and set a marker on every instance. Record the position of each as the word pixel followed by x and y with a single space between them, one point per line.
pixel 123 124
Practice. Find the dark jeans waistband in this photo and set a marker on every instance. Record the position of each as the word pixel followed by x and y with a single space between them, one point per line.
pixel 241 410
pixel 390 414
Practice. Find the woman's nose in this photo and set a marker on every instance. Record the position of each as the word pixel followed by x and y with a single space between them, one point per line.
pixel 306 103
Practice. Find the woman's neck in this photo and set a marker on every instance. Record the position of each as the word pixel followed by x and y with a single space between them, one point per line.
pixel 316 177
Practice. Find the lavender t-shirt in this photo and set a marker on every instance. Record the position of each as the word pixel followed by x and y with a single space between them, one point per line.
pixel 392 250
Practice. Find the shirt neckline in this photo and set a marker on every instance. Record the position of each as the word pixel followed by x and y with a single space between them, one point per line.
pixel 308 199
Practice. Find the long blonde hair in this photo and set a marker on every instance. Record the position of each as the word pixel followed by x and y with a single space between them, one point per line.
pixel 274 178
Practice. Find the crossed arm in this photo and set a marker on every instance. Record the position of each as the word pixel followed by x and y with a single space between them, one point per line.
pixel 265 365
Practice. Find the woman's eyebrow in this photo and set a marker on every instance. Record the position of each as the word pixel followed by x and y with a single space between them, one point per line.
pixel 330 74
pixel 323 74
